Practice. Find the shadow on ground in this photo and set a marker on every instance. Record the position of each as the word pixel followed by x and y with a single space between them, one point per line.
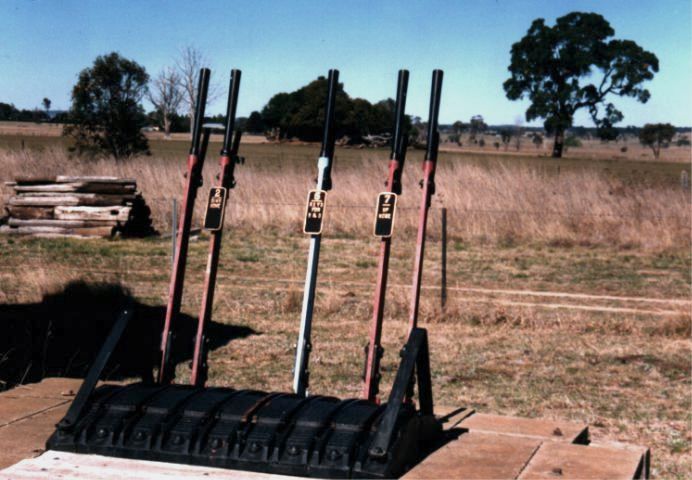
pixel 61 335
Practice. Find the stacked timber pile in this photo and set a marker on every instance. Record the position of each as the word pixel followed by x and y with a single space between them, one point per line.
pixel 77 206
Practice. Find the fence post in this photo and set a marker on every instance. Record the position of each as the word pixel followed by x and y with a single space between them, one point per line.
pixel 174 229
pixel 443 261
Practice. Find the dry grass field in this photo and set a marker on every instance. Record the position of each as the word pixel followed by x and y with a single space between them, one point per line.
pixel 627 148
pixel 569 281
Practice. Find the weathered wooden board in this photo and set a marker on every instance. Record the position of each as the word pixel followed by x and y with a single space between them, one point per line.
pixel 66 465
pixel 564 460
pixel 557 430
pixel 37 180
pixel 15 222
pixel 102 179
pixel 119 213
pixel 477 456
pixel 27 437
pixel 68 199
pixel 30 212
pixel 15 409
pixel 83 187
pixel 54 387
pixel 85 232
pixel 30 180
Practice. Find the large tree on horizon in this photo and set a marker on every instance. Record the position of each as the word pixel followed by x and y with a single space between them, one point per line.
pixel 106 113
pixel 576 64
pixel 300 113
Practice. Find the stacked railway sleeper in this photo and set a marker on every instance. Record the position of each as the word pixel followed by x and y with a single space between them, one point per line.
pixel 84 206
pixel 297 432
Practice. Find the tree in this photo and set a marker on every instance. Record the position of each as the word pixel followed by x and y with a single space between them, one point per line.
pixel 476 126
pixel 46 106
pixel 188 64
pixel 537 140
pixel 7 111
pixel 551 65
pixel 106 112
pixel 506 136
pixel 656 135
pixel 255 124
pixel 166 94
pixel 459 128
pixel 518 132
pixel 300 114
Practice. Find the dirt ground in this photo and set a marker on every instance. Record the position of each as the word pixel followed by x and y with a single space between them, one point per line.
pixel 592 334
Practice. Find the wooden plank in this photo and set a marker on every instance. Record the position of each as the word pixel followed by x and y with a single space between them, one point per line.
pixel 83 232
pixel 119 213
pixel 29 180
pixel 567 461
pixel 477 456
pixel 58 387
pixel 94 178
pixel 15 222
pixel 30 212
pixel 49 187
pixel 53 464
pixel 79 187
pixel 557 430
pixel 645 469
pixel 27 438
pixel 13 409
pixel 451 417
pixel 72 199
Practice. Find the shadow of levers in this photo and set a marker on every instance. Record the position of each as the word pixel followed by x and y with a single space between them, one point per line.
pixel 62 334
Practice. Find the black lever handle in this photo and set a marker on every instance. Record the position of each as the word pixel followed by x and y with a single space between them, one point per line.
pixel 435 96
pixel 329 132
pixel 233 89
pixel 400 114
pixel 202 90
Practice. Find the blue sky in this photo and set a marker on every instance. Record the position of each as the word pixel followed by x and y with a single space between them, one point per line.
pixel 282 45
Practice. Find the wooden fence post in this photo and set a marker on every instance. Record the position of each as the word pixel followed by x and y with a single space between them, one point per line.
pixel 443 261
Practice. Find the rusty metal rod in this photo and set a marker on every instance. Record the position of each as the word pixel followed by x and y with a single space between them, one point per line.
pixel 396 167
pixel 428 190
pixel 194 170
pixel 227 162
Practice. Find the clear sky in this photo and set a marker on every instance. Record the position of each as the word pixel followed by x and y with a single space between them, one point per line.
pixel 281 45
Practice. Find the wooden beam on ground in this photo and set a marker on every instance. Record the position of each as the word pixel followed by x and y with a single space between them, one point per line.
pixel 79 187
pixel 15 222
pixel 555 430
pixel 119 213
pixel 477 456
pixel 29 180
pixel 68 199
pixel 101 179
pixel 87 467
pixel 80 232
pixel 30 212
pixel 562 460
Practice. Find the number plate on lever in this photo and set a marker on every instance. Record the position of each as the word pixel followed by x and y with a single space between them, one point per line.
pixel 384 217
pixel 314 212
pixel 216 206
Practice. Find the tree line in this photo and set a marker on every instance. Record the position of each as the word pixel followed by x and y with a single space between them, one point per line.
pixel 572 65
